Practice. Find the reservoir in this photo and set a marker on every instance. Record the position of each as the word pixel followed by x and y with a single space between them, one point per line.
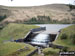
pixel 53 27
pixel 45 37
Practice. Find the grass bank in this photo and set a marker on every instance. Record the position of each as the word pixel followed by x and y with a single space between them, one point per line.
pixel 14 31
pixel 67 38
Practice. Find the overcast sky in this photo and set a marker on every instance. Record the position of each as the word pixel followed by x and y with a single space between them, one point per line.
pixel 33 2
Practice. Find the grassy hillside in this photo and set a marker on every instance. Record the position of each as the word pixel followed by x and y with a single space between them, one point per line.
pixel 12 49
pixel 67 38
pixel 14 31
pixel 21 14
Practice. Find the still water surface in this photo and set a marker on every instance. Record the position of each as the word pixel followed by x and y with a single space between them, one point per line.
pixel 53 27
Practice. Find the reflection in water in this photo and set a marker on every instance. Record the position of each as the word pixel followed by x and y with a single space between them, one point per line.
pixel 41 39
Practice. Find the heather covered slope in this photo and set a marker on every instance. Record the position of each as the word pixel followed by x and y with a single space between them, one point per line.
pixel 21 14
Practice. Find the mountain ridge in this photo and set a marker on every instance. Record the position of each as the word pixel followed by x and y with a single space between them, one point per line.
pixel 54 11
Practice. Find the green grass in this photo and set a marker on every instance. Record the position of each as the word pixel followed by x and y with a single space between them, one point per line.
pixel 50 51
pixel 15 31
pixel 8 48
pixel 69 32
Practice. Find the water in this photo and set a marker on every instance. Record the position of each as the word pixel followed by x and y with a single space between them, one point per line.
pixel 53 27
pixel 43 39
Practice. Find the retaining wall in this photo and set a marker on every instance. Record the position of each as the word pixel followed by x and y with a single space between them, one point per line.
pixel 38 29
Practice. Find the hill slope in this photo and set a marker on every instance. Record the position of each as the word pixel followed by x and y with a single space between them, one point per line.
pixel 21 14
pixel 67 38
pixel 15 31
